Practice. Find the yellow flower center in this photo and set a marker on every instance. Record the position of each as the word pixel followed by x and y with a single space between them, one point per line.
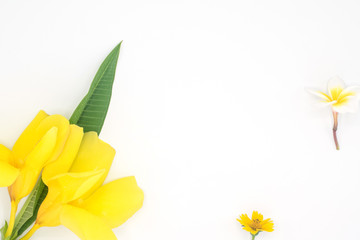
pixel 339 95
pixel 255 224
pixel 335 93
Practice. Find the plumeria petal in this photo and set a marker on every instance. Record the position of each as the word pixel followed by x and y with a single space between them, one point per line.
pixel 84 224
pixel 326 104
pixel 67 156
pixel 319 94
pixel 335 86
pixel 94 154
pixel 335 82
pixel 351 91
pixel 349 104
pixel 116 201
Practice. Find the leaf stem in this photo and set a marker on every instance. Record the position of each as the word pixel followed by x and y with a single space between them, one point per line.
pixel 31 232
pixel 253 236
pixel 14 206
pixel 335 115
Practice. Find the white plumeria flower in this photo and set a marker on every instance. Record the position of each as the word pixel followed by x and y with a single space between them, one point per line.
pixel 341 100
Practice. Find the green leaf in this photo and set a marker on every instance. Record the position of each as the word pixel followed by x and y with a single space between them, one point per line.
pixel 28 212
pixel 89 114
pixel 3 230
pixel 42 194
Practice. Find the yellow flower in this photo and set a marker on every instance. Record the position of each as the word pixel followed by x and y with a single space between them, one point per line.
pixel 341 100
pixel 256 224
pixel 39 145
pixel 78 200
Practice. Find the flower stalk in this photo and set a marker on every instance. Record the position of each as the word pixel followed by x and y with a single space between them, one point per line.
pixel 14 206
pixel 341 99
pixel 335 115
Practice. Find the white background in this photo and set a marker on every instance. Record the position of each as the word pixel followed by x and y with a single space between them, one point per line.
pixel 208 111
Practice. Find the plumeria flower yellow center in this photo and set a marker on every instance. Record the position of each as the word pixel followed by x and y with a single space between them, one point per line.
pixel 256 224
pixel 341 99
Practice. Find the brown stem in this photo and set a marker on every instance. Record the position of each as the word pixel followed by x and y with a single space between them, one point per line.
pixel 335 115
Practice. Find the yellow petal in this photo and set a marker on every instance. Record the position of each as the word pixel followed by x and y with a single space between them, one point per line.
pixel 8 174
pixel 347 92
pixel 64 188
pixel 49 212
pixel 67 156
pixel 42 151
pixel 49 215
pixel 94 154
pixel 245 220
pixel 346 104
pixel 26 142
pixel 268 225
pixel 257 216
pixel 41 124
pixel 249 229
pixel 254 215
pixel 24 183
pixel 320 94
pixel 85 225
pixel 116 201
pixel 335 87
pixel 34 163
pixel 62 124
pixel 71 186
pixel 6 155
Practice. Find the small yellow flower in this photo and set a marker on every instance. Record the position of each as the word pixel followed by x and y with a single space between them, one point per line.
pixel 256 224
